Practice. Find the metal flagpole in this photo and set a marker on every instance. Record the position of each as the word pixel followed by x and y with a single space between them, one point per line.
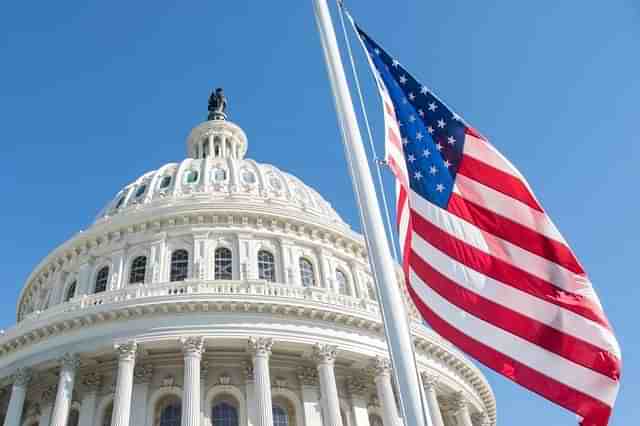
pixel 394 314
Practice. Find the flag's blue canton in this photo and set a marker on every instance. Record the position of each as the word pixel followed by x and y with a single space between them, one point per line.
pixel 432 135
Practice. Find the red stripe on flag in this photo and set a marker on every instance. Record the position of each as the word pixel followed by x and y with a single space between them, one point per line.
pixel 505 272
pixel 394 139
pixel 565 345
pixel 514 232
pixel 498 180
pixel 593 411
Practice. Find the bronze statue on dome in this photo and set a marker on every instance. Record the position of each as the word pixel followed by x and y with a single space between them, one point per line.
pixel 217 105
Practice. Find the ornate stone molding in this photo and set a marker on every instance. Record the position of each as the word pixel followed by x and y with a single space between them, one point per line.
pixel 260 346
pixel 21 377
pixel 192 346
pixel 92 381
pixel 429 381
pixel 48 394
pixel 126 351
pixel 307 376
pixel 70 361
pixel 324 354
pixel 204 371
pixel 143 373
pixel 248 372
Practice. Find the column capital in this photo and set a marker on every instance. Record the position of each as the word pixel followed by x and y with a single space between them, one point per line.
pixel 192 345
pixel 126 351
pixel 307 376
pixel 459 401
pixel 142 373
pixel 381 366
pixel 70 361
pixel 22 377
pixel 260 346
pixel 92 381
pixel 324 354
pixel 429 381
pixel 480 419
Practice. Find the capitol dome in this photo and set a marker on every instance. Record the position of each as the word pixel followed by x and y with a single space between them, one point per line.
pixel 217 291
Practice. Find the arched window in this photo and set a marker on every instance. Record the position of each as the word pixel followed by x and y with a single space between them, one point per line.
pixel 223 262
pixel 375 420
pixel 106 417
pixel 224 414
pixel 307 276
pixel 192 176
pixel 280 415
pixel 343 284
pixel 71 291
pixel 138 270
pixel 74 417
pixel 171 414
pixel 266 266
pixel 371 291
pixel 165 182
pixel 141 190
pixel 101 280
pixel 179 265
pixel 120 201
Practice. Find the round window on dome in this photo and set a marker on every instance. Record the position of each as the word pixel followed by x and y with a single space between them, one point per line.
pixel 120 201
pixel 141 190
pixel 165 182
pixel 192 176
pixel 275 183
pixel 248 176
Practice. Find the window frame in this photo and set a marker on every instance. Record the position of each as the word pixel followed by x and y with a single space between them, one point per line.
pixel 173 269
pixel 347 290
pixel 307 273
pixel 140 271
pixel 218 267
pixel 103 279
pixel 265 273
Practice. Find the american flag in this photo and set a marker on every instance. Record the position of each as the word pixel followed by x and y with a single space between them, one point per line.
pixel 485 265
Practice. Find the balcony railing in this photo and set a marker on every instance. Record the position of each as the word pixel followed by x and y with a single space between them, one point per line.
pixel 230 290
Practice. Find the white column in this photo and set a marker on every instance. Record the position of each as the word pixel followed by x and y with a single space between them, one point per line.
pixel 142 375
pixel 357 389
pixel 308 378
pixel 91 383
pixel 66 381
pixel 384 387
pixel 201 260
pixel 429 382
pixel 124 384
pixel 325 356
pixel 18 393
pixel 84 285
pixel 326 274
pixel 117 276
pixel 461 409
pixel 480 419
pixel 192 348
pixel 250 394
pixel 260 348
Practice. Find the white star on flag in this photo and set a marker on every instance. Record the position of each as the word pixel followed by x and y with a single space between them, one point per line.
pixel 417 175
pixel 430 130
pixel 411 96
pixel 433 170
pixel 439 187
pixel 403 79
pixel 447 164
pixel 433 106
pixel 412 118
pixel 405 141
pixel 395 63
pixel 451 140
pixel 419 136
pixel 439 146
pixel 424 90
pixel 411 158
pixel 421 113
pixel 441 123
pixel 426 153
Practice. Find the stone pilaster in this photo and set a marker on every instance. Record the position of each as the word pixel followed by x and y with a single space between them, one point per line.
pixel 21 380
pixel 124 384
pixel 192 348
pixel 325 356
pixel 429 382
pixel 260 349
pixel 142 375
pixel 66 381
pixel 461 409
pixel 382 369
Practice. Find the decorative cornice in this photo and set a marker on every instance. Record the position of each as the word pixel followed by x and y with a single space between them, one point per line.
pixel 126 351
pixel 192 346
pixel 260 346
pixel 357 385
pixel 459 401
pixel 429 381
pixel 381 366
pixel 324 354
pixel 480 419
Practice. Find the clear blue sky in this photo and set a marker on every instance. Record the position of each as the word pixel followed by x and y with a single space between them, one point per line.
pixel 93 94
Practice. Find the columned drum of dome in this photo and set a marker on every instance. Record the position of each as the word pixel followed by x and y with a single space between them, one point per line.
pixel 216 291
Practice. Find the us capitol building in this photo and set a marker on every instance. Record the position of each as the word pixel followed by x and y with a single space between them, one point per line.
pixel 217 291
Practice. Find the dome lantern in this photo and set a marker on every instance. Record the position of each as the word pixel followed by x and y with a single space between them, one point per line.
pixel 217 137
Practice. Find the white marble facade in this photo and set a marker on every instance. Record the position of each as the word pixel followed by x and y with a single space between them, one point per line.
pixel 217 292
